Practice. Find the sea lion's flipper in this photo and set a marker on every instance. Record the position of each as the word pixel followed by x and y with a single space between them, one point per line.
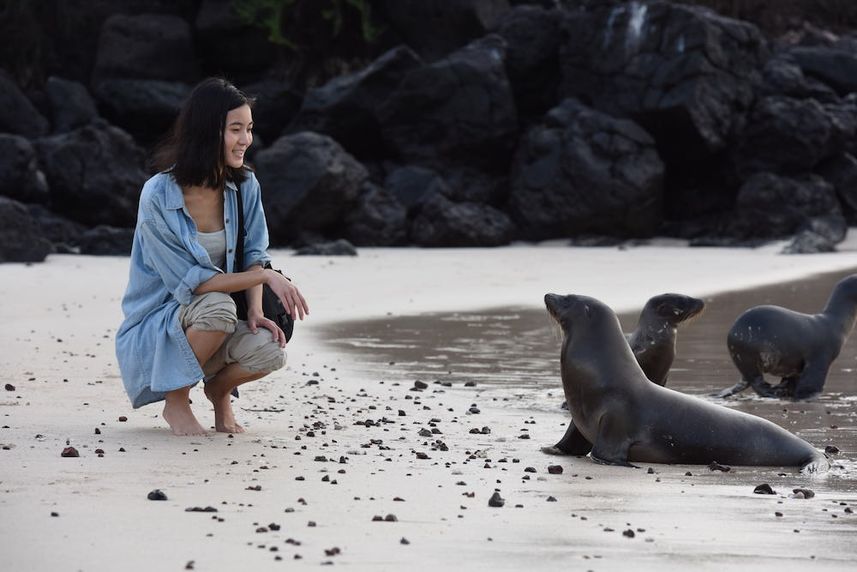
pixel 612 445
pixel 572 443
pixel 811 380
pixel 737 388
pixel 763 388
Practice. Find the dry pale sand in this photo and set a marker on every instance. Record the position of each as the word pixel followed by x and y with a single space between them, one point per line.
pixel 302 486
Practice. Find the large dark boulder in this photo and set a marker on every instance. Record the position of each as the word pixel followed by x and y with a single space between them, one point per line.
pixel 532 37
pixel 146 108
pixel 340 247
pixel 276 104
pixel 228 46
pixel 20 177
pixel 434 28
pixel 833 65
pixel 411 184
pixel 309 185
pixel 71 104
pixel 64 234
pixel 20 236
pixel 584 172
pixel 378 219
pixel 106 240
pixel 787 135
pixel 17 113
pixel 770 206
pixel 457 110
pixel 346 108
pixel 841 172
pixel 147 46
pixel 683 72
pixel 782 76
pixel 95 174
pixel 441 222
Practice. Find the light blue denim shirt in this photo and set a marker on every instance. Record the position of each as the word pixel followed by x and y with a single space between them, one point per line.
pixel 167 265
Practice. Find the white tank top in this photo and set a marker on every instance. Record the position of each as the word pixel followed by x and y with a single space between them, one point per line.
pixel 215 244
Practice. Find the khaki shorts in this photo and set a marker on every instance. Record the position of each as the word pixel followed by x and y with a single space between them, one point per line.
pixel 215 311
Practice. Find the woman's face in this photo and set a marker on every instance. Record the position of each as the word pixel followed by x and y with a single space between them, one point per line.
pixel 238 135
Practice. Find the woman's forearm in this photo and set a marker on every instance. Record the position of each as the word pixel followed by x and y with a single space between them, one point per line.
pixel 234 281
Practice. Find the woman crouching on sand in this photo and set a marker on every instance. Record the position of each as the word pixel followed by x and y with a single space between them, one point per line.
pixel 180 321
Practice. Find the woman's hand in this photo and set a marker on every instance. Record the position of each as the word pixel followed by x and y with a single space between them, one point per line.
pixel 256 320
pixel 292 299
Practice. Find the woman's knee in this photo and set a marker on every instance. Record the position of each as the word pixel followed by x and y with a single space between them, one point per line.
pixel 260 355
pixel 212 311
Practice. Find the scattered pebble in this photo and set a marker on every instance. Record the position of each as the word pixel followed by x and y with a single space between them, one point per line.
pixel 200 509
pixel 404 541
pixel 551 499
pixel 764 489
pixel 157 494
pixel 715 466
pixel 831 450
pixel 555 469
pixel 9 387
pixel 496 500
pixel 122 419
pixel 629 533
pixel 800 493
pixel 69 452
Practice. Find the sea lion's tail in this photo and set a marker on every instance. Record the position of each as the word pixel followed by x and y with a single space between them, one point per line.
pixel 819 464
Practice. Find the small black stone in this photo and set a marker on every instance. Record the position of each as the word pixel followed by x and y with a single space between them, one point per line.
pixel 404 541
pixel 831 450
pixel 807 493
pixel 157 494
pixel 764 489
pixel 715 466
pixel 9 387
pixel 555 469
pixel 496 500
pixel 629 533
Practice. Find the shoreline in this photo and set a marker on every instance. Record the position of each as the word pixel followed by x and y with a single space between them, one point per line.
pixel 58 354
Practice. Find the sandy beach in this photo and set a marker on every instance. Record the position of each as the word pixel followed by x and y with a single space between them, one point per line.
pixel 333 444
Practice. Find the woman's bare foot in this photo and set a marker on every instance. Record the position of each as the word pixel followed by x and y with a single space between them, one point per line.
pixel 224 418
pixel 181 418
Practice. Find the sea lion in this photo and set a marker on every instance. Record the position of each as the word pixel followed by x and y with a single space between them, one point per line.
pixel 628 418
pixel 653 344
pixel 653 341
pixel 798 348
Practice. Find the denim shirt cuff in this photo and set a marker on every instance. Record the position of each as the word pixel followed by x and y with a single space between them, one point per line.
pixel 195 276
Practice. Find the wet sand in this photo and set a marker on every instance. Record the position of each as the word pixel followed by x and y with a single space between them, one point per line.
pixel 341 437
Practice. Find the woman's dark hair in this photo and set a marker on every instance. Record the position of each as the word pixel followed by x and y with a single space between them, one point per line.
pixel 193 151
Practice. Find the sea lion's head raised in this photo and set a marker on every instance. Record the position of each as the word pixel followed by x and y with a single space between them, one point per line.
pixel 573 313
pixel 673 308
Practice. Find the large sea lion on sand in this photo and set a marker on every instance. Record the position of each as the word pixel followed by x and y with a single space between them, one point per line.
pixel 798 348
pixel 628 418
pixel 653 345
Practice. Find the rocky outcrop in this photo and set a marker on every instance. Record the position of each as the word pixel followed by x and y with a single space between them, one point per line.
pixel 346 108
pixel 17 113
pixel 771 206
pixel 95 174
pixel 21 239
pixel 71 104
pixel 441 222
pixel 458 110
pixel 20 177
pixel 378 219
pixel 685 73
pixel 309 185
pixel 584 172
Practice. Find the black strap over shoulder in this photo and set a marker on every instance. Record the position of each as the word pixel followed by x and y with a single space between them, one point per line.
pixel 272 307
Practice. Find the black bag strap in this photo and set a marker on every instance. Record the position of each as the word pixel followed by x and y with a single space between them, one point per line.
pixel 239 240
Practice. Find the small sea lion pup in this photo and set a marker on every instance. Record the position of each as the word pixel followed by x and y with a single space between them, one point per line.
pixel 653 341
pixel 798 348
pixel 627 418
